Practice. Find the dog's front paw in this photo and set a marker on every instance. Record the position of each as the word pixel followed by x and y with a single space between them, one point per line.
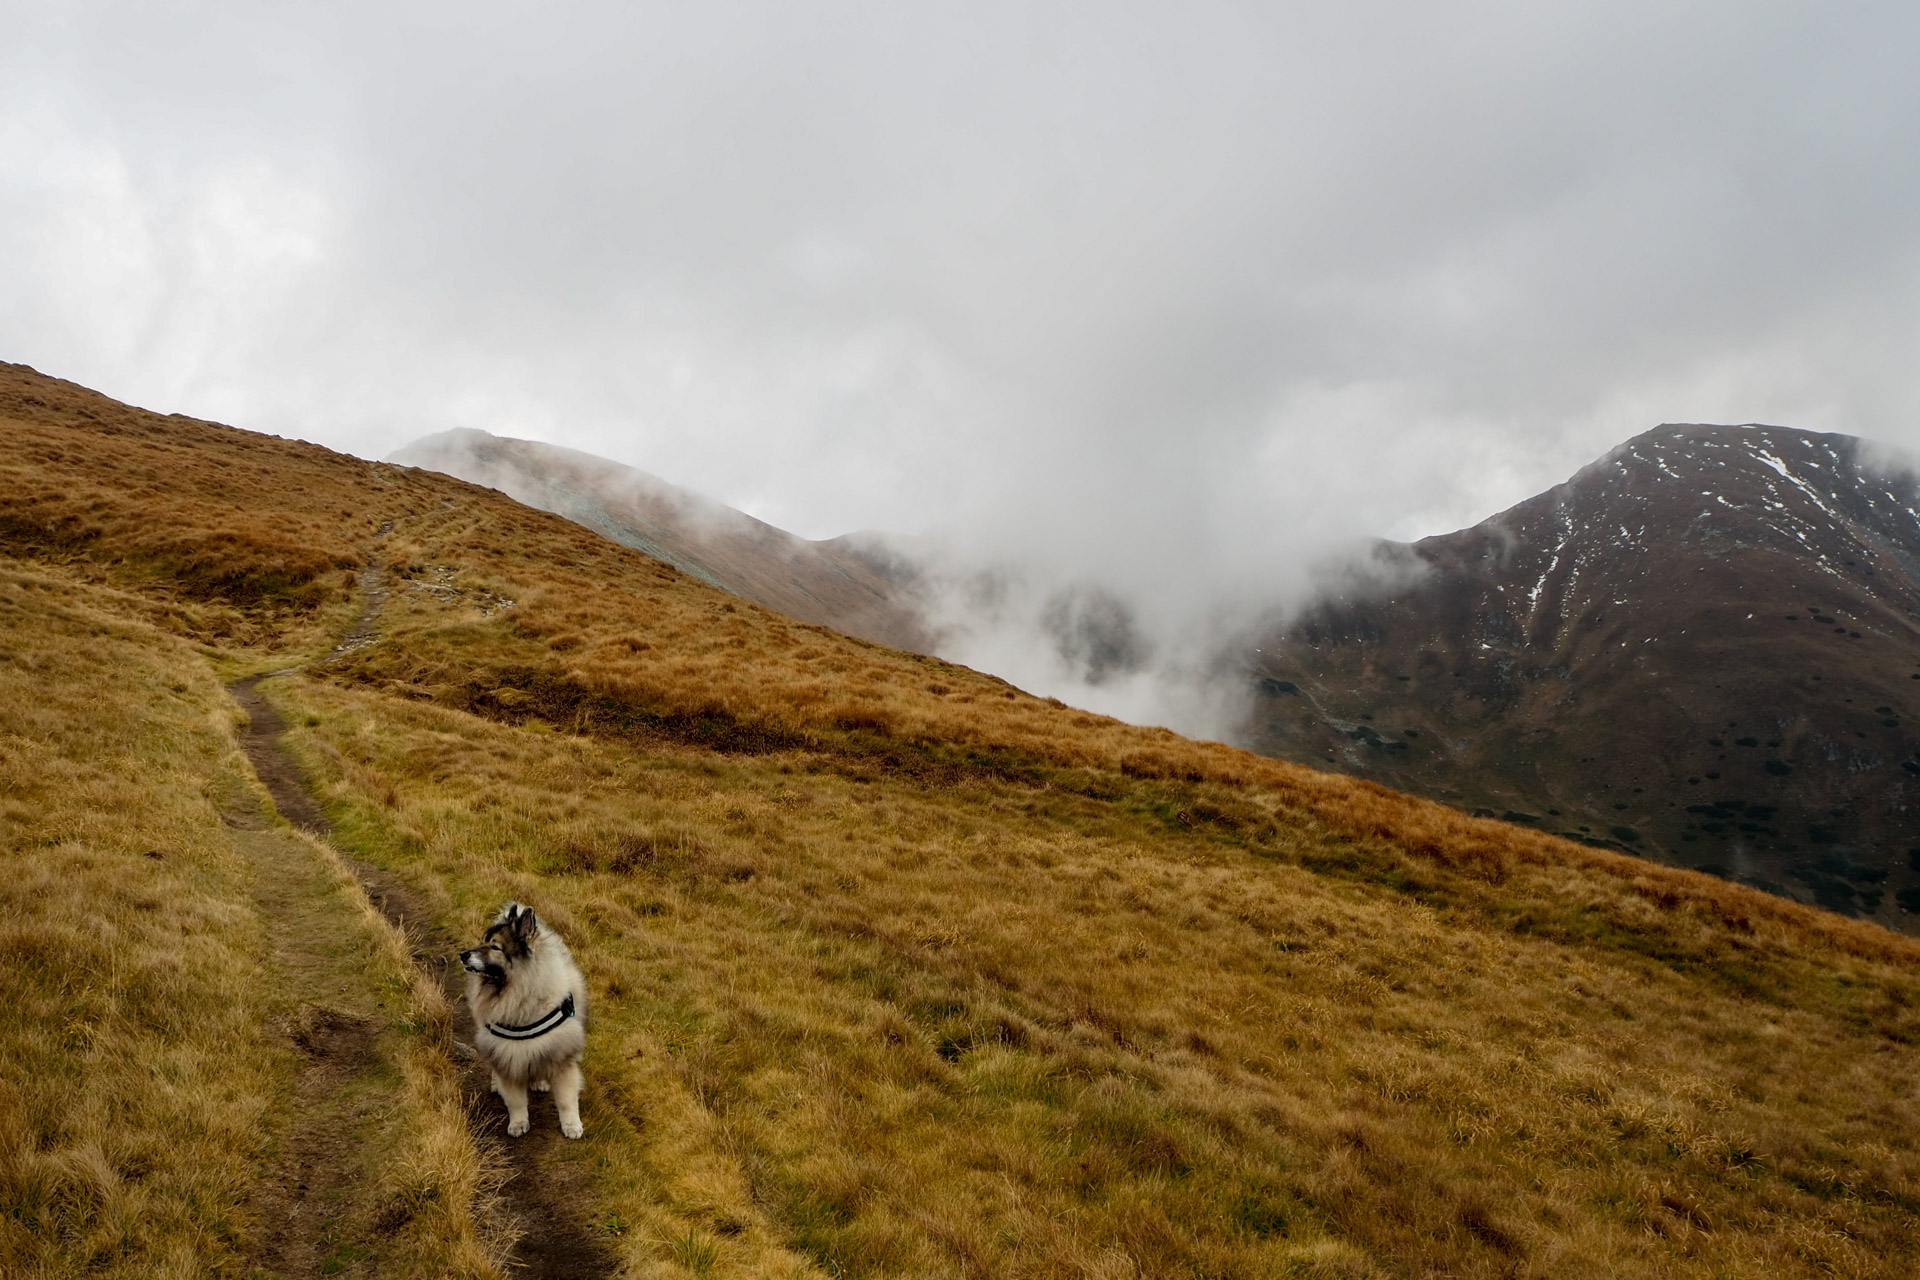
pixel 516 1127
pixel 573 1128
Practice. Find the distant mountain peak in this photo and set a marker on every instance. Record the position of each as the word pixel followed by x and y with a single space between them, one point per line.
pixel 1602 648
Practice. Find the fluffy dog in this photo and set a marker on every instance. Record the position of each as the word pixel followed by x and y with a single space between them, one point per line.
pixel 529 1005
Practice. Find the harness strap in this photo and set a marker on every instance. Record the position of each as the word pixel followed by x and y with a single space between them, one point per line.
pixel 538 1027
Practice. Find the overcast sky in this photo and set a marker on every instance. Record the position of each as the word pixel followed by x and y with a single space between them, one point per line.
pixel 1140 287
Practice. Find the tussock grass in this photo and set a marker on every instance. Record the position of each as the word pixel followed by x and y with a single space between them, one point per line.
pixel 144 1058
pixel 998 1030
pixel 135 1084
pixel 900 971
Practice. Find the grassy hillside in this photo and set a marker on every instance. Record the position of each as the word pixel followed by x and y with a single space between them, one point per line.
pixel 194 1002
pixel 897 971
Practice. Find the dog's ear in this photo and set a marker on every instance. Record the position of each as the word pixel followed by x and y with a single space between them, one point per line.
pixel 525 927
pixel 516 928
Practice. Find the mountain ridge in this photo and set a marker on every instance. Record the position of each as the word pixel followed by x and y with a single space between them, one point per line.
pixel 1654 648
pixel 850 583
pixel 1535 658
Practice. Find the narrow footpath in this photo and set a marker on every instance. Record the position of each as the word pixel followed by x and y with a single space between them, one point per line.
pixel 542 1197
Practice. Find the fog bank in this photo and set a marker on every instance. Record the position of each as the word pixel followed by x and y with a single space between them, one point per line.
pixel 1171 305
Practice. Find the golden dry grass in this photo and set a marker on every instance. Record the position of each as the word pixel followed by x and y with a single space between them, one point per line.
pixel 990 1030
pixel 153 960
pixel 900 971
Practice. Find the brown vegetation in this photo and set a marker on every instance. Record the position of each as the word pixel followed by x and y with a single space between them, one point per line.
pixel 195 1002
pixel 901 971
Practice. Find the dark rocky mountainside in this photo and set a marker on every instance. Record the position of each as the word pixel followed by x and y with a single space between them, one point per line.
pixel 1704 647
pixel 843 583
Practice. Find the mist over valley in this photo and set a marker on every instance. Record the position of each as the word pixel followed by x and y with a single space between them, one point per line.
pixel 1646 658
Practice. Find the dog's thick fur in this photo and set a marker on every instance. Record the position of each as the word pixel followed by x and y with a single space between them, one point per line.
pixel 520 973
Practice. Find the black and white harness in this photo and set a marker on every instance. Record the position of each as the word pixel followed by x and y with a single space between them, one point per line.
pixel 538 1027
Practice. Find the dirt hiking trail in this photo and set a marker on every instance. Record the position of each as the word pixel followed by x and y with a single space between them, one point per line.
pixel 314 1222
pixel 541 1196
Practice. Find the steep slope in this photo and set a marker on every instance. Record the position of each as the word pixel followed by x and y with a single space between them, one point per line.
pixel 895 970
pixel 839 583
pixel 1703 647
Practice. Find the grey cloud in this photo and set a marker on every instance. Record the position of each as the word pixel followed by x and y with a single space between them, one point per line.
pixel 1174 300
